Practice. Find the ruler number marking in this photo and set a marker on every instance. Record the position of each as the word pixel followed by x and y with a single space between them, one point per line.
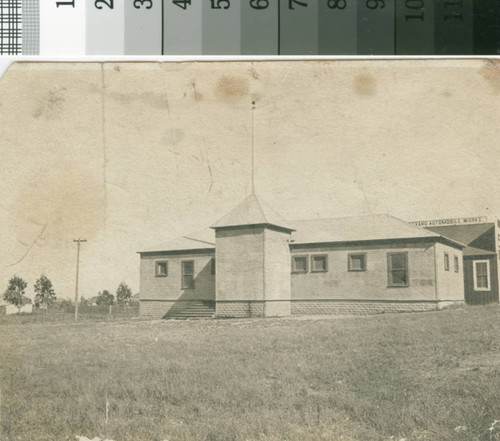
pixel 182 3
pixel 138 4
pixel 375 4
pixel 220 4
pixel 99 4
pixel 259 4
pixel 337 4
pixel 291 3
pixel 416 6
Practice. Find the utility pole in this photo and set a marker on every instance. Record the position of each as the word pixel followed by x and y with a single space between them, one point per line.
pixel 78 241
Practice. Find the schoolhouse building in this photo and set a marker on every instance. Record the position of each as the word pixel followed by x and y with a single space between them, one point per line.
pixel 254 263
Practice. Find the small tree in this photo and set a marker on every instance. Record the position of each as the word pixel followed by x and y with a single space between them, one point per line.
pixel 105 298
pixel 15 292
pixel 123 294
pixel 66 305
pixel 45 294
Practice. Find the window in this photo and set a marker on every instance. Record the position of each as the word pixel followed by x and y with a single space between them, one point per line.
pixel 212 267
pixel 299 264
pixel 356 262
pixel 446 262
pixel 161 269
pixel 319 263
pixel 481 272
pixel 187 274
pixel 457 266
pixel 397 268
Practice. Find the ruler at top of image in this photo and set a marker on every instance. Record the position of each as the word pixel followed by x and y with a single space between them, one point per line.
pixel 252 27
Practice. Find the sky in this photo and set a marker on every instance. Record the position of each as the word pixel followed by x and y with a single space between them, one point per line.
pixel 128 155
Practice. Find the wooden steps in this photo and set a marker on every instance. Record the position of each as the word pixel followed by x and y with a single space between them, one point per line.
pixel 193 309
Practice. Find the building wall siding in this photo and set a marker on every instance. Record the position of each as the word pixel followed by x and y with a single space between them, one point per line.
pixel 372 284
pixel 170 287
pixel 450 284
pixel 253 278
pixel 277 270
pixel 240 264
pixel 253 269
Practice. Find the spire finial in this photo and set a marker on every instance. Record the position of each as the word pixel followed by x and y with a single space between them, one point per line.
pixel 253 148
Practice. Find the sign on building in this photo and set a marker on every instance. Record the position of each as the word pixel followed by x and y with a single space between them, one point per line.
pixel 451 221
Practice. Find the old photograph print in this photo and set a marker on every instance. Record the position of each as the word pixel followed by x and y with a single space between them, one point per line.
pixel 273 250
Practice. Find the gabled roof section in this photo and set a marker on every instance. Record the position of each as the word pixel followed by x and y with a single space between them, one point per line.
pixel 200 240
pixel 471 251
pixel 359 229
pixel 466 234
pixel 252 211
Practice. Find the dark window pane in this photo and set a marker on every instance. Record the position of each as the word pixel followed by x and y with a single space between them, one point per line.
pixel 398 270
pixel 187 281
pixel 300 264
pixel 398 261
pixel 188 267
pixel 161 268
pixel 399 277
pixel 482 275
pixel 482 282
pixel 187 274
pixel 481 269
pixel 357 262
pixel 319 263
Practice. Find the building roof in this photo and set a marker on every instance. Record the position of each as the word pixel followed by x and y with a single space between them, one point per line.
pixel 463 233
pixel 471 251
pixel 358 228
pixel 199 240
pixel 252 211
pixel 313 231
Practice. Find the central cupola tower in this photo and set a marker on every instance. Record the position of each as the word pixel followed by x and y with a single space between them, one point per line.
pixel 252 262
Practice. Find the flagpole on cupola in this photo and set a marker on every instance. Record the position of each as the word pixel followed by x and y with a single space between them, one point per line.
pixel 253 148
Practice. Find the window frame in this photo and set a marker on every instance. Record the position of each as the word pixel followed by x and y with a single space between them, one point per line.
pixel 488 275
pixel 157 265
pixel 446 261
pixel 300 256
pixel 183 274
pixel 325 256
pixel 456 263
pixel 406 269
pixel 349 262
pixel 212 266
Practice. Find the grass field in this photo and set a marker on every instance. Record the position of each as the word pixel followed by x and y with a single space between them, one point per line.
pixel 425 376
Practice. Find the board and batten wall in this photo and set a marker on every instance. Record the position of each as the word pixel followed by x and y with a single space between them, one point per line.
pixel 160 293
pixel 483 296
